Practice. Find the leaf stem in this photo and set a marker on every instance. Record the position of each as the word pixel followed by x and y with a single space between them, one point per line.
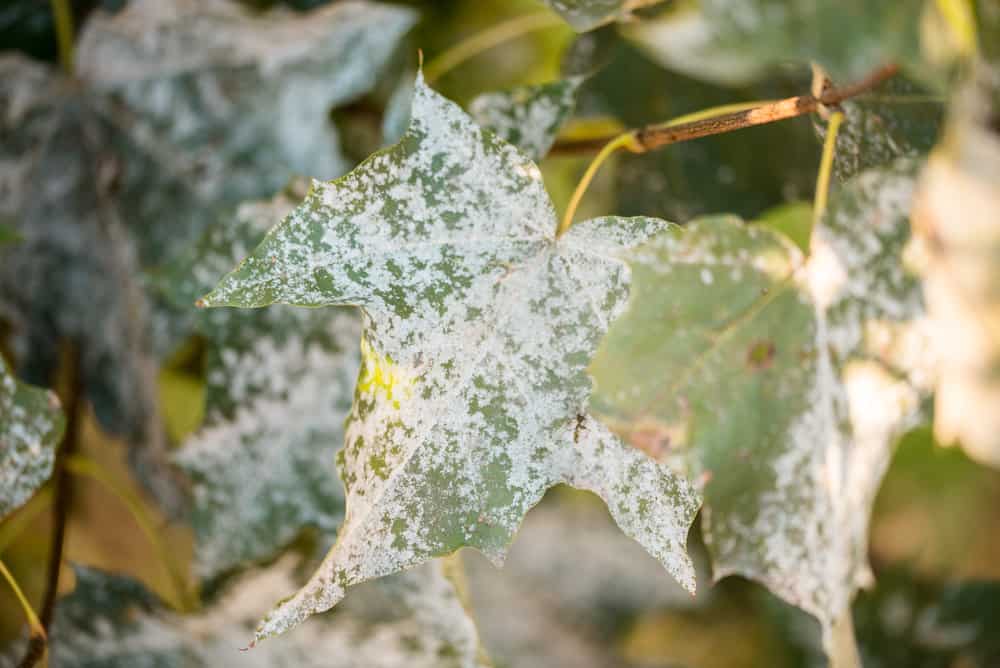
pixel 716 120
pixel 64 33
pixel 81 465
pixel 486 40
pixel 826 166
pixel 662 134
pixel 37 630
pixel 626 140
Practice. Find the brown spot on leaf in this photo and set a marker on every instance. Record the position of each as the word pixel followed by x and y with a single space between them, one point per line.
pixel 760 355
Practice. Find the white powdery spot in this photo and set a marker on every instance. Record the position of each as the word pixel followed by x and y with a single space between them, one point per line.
pixel 30 426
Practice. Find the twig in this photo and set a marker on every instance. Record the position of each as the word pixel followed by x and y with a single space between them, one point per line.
pixel 704 124
pixel 63 16
pixel 657 136
pixel 72 400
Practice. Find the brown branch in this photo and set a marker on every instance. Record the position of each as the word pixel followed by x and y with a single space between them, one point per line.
pixel 72 401
pixel 656 136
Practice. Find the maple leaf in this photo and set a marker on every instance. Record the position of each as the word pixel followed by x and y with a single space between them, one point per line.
pixel 780 383
pixel 478 326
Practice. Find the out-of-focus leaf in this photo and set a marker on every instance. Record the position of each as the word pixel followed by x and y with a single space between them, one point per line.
pixel 528 117
pixel 735 41
pixel 588 14
pixel 199 104
pixel 229 103
pixel 31 425
pixel 414 620
pixel 471 401
pixel 897 119
pixel 957 230
pixel 74 274
pixel 743 172
pixel 781 384
pixel 907 621
pixel 279 385
pixel 8 235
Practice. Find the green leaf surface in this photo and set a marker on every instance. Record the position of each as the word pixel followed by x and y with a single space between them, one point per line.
pixel 279 385
pixel 586 15
pixel 471 401
pixel 735 41
pixel 781 384
pixel 8 235
pixel 31 426
pixel 957 230
pixel 414 620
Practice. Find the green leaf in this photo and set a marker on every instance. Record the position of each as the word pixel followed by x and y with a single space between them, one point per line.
pixel 471 401
pixel 279 385
pixel 31 426
pixel 780 383
pixel 415 619
pixel 957 230
pixel 230 102
pixel 8 235
pixel 586 15
pixel 897 119
pixel 528 117
pixel 734 42
pixel 73 276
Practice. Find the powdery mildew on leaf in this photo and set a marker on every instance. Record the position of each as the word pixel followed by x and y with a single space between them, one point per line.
pixel 414 620
pixel 471 400
pixel 957 234
pixel 31 425
pixel 72 275
pixel 279 385
pixel 586 15
pixel 528 117
pixel 230 102
pixel 898 119
pixel 781 383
